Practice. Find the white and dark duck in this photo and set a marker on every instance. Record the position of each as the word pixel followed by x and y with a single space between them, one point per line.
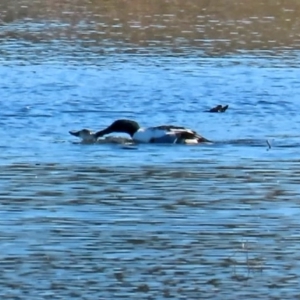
pixel 169 134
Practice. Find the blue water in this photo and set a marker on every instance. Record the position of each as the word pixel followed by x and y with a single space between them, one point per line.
pixel 42 102
pixel 87 213
pixel 105 221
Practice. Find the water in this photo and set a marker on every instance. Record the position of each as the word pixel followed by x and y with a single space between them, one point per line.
pixel 153 221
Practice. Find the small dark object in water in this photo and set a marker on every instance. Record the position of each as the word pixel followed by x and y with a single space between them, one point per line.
pixel 218 108
pixel 224 108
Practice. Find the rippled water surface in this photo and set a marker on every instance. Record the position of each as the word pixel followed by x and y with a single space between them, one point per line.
pixel 108 221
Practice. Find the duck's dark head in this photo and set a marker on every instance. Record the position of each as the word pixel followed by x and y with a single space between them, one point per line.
pixel 123 125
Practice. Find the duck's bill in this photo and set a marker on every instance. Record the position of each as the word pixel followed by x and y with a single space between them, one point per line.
pixel 75 133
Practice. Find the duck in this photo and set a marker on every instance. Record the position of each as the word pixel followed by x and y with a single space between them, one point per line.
pixel 169 134
pixel 218 109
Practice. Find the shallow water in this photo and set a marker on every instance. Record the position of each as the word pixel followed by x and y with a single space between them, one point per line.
pixel 107 221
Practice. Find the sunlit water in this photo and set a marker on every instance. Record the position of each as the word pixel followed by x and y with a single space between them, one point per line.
pixel 106 221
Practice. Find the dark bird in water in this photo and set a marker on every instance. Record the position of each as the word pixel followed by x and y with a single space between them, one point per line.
pixel 218 109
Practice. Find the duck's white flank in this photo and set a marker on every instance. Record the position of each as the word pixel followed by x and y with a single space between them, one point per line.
pixel 146 135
